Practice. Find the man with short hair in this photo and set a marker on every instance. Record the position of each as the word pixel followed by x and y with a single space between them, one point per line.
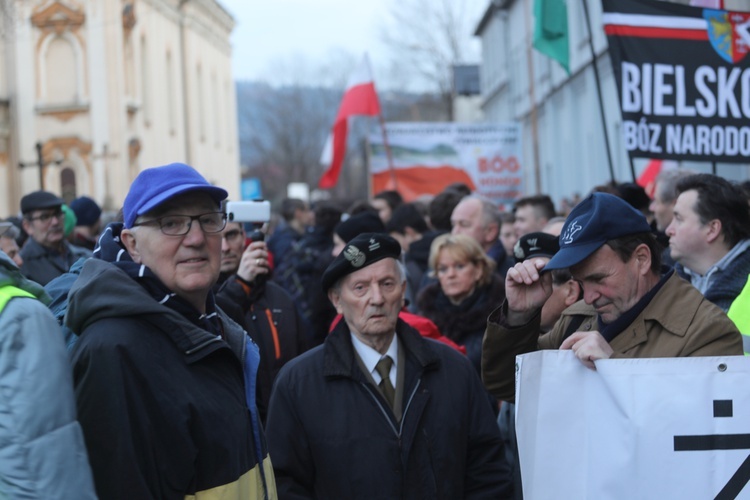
pixel 262 307
pixel 709 236
pixel 164 380
pixel 665 196
pixel 378 411
pixel 532 213
pixel 409 228
pixel 297 219
pixel 636 309
pixel 8 235
pixel 479 218
pixel 46 254
pixel 508 232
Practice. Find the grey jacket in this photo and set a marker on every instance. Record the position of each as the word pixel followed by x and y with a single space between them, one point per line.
pixel 42 265
pixel 42 454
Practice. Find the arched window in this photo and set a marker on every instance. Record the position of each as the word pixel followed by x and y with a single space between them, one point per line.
pixel 201 103
pixel 145 82
pixel 171 95
pixel 127 48
pixel 68 184
pixel 61 72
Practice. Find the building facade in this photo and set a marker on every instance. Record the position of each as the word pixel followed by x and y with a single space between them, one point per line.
pixel 98 90
pixel 564 143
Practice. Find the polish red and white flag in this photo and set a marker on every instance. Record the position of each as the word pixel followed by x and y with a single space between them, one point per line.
pixel 359 98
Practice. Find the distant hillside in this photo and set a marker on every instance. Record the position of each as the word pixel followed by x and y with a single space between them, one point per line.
pixel 256 101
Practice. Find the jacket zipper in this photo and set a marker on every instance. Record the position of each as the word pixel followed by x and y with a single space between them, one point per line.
pixel 398 431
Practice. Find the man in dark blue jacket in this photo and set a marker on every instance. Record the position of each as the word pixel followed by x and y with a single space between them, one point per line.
pixel 164 379
pixel 378 411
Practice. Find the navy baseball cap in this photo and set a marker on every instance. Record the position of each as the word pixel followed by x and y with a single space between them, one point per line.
pixel 360 252
pixel 154 186
pixel 593 222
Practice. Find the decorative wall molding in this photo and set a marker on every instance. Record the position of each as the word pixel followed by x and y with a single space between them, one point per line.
pixel 57 18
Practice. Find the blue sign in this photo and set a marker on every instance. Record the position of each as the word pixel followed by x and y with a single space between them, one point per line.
pixel 250 189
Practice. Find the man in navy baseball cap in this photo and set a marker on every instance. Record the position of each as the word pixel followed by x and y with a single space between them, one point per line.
pixel 631 308
pixel 599 218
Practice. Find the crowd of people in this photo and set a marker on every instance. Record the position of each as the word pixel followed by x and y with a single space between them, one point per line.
pixel 361 351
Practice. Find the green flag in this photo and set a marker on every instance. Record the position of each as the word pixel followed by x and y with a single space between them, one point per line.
pixel 551 30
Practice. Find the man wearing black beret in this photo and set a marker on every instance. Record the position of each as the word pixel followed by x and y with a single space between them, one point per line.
pixel 378 411
pixel 46 254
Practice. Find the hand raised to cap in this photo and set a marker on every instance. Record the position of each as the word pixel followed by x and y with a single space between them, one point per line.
pixel 526 290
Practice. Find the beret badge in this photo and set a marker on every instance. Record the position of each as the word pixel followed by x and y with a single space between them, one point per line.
pixel 354 255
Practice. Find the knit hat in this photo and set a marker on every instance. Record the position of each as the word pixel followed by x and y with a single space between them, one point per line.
pixel 87 211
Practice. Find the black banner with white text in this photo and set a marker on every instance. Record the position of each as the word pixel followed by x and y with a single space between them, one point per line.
pixel 683 78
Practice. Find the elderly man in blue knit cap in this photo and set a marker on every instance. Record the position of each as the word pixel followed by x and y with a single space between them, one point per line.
pixel 634 307
pixel 164 380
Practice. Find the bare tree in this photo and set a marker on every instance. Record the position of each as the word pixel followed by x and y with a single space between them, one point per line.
pixel 427 37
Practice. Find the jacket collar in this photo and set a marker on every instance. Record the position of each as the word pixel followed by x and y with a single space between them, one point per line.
pixel 93 297
pixel 32 249
pixel 338 352
pixel 680 298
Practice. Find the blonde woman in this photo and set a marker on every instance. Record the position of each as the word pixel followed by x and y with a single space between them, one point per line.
pixel 466 292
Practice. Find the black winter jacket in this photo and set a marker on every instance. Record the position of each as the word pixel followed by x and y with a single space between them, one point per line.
pixel 269 315
pixel 332 435
pixel 162 402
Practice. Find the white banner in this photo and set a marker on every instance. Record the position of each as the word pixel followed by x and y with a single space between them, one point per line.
pixel 426 157
pixel 634 428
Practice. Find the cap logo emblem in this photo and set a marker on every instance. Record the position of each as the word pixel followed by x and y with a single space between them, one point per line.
pixel 570 232
pixel 374 245
pixel 533 245
pixel 354 255
pixel 518 251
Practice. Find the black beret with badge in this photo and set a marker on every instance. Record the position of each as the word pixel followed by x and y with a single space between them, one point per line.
pixel 360 252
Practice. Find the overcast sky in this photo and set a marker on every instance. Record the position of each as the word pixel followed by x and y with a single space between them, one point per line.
pixel 283 29
pixel 316 39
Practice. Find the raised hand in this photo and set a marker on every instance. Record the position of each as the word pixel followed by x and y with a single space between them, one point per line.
pixel 526 290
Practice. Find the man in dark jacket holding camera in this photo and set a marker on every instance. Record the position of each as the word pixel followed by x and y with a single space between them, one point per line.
pixel 262 307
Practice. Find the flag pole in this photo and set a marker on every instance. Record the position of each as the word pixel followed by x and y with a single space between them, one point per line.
pixel 532 106
pixel 599 95
pixel 388 155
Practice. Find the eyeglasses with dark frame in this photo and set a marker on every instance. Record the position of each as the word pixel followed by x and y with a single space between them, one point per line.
pixel 179 225
pixel 46 216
